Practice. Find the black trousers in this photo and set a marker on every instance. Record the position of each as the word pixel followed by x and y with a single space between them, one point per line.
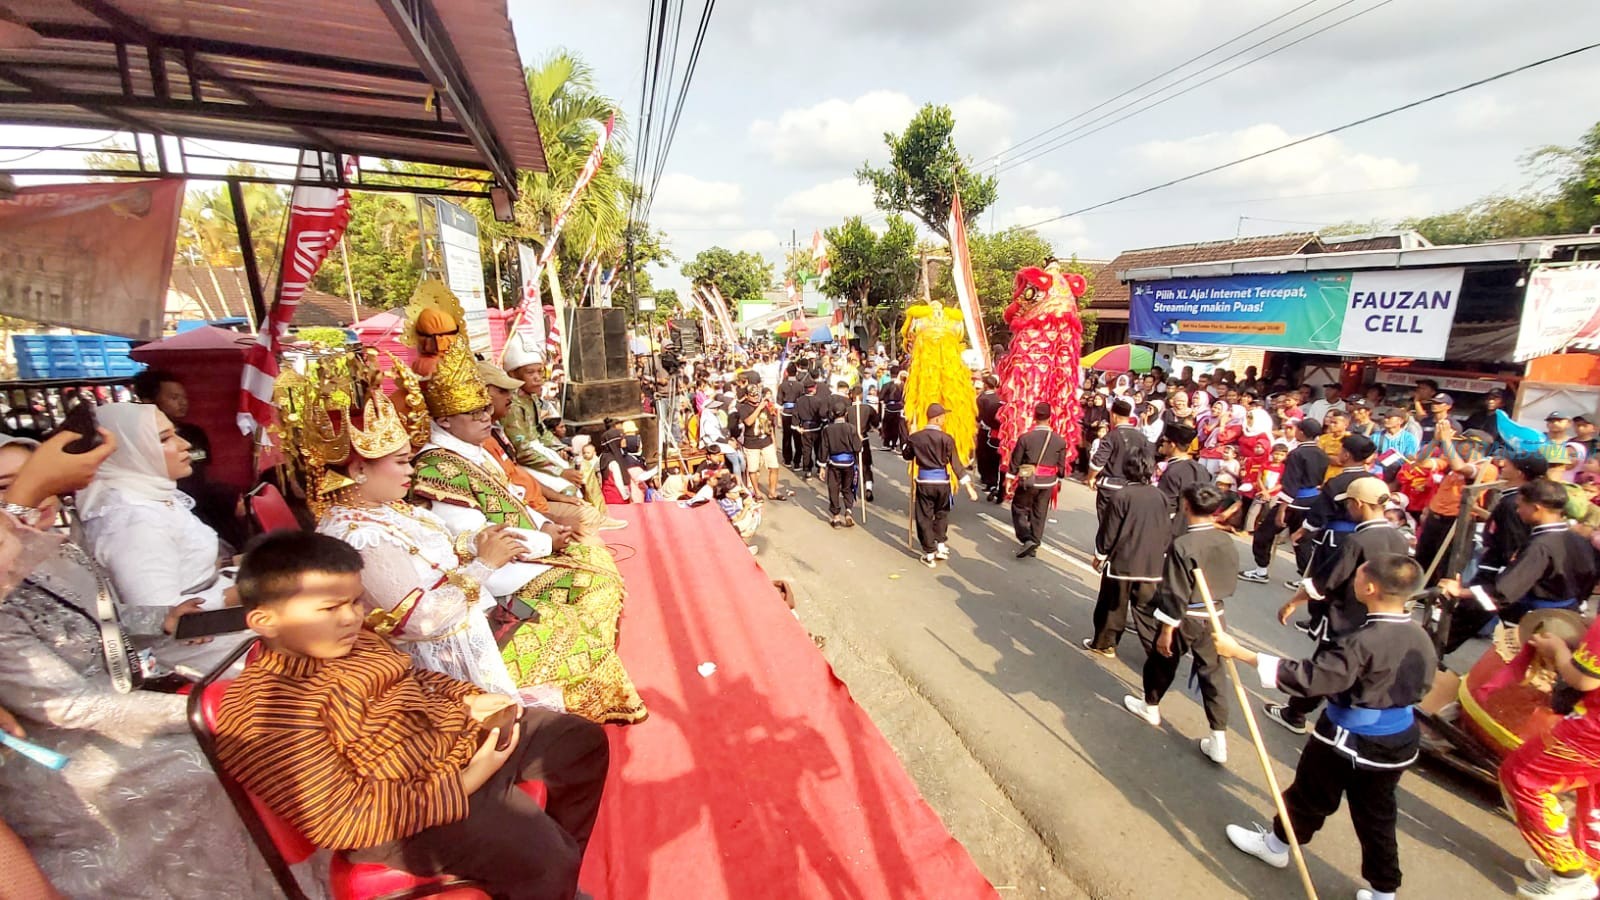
pixel 809 452
pixel 866 462
pixel 1111 608
pixel 932 514
pixel 791 443
pixel 1267 531
pixel 893 424
pixel 988 459
pixel 1194 636
pixel 841 488
pixel 1030 510
pixel 1321 779
pixel 506 842
pixel 1430 541
pixel 1102 499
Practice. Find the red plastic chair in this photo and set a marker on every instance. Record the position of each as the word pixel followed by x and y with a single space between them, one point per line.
pixel 269 510
pixel 282 845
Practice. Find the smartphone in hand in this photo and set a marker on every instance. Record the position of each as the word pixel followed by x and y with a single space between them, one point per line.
pixel 504 719
pixel 81 421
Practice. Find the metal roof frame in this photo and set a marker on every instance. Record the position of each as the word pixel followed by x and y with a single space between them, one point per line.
pixel 382 80
pixel 1517 250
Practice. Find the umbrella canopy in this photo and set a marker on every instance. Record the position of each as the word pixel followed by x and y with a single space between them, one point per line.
pixel 1120 358
pixel 784 327
pixel 822 334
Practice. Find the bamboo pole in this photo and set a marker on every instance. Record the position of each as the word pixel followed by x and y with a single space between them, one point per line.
pixel 1255 738
pixel 861 472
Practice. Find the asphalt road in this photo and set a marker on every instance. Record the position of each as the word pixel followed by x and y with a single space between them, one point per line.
pixel 1020 741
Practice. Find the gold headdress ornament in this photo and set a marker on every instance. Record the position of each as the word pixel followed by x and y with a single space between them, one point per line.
pixel 455 386
pixel 318 430
pixel 433 311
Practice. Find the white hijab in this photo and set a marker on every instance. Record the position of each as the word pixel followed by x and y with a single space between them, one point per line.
pixel 138 468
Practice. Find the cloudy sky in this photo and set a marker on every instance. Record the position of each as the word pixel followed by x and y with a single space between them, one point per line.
pixel 790 98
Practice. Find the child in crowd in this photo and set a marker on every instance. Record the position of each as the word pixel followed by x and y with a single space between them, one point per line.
pixel 388 764
pixel 589 469
pixel 1368 735
pixel 737 504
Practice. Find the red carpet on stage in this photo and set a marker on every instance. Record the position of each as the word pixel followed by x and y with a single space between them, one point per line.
pixel 763 779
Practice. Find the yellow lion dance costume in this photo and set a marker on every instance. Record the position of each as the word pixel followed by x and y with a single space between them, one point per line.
pixel 937 337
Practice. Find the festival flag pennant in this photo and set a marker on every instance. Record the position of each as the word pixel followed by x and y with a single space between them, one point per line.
pixel 317 219
pixel 789 290
pixel 966 287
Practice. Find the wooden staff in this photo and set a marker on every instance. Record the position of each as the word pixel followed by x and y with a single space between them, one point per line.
pixel 861 477
pixel 911 509
pixel 1255 738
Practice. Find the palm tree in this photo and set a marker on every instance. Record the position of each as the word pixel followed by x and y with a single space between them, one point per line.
pixel 570 113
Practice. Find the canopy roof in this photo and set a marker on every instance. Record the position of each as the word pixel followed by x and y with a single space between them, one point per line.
pixel 415 80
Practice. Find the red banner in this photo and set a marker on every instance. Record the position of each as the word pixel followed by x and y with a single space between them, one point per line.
pixel 317 218
pixel 90 256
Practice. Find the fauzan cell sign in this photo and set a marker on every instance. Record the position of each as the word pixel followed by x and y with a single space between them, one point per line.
pixel 1368 313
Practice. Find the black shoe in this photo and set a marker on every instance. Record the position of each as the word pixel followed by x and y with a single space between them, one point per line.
pixel 869 496
pixel 1029 549
pixel 1279 713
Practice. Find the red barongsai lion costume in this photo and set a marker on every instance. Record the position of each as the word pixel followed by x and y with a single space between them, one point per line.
pixel 1041 365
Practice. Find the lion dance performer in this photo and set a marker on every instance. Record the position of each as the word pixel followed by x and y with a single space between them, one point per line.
pixel 1041 365
pixel 936 337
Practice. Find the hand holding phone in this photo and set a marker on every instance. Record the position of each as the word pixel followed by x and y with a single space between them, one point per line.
pixel 505 718
pixel 81 421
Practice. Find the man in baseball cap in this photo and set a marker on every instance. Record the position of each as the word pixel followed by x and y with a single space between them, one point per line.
pixel 1334 584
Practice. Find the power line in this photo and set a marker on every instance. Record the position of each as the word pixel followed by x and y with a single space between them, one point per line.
pixel 683 93
pixel 1321 134
pixel 1065 140
pixel 1065 122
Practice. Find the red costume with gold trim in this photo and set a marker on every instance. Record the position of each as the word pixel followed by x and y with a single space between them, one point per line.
pixel 1041 364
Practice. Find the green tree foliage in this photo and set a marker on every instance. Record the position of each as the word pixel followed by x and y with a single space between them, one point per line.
pixel 322 336
pixel 924 171
pixel 738 276
pixel 1569 203
pixel 870 270
pixel 385 251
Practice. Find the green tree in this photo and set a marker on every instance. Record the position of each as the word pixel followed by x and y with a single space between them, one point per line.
pixel 385 250
pixel 924 171
pixel 738 276
pixel 1568 204
pixel 872 273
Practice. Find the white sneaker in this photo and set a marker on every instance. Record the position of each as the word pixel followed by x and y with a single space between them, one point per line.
pixel 1257 575
pixel 1151 714
pixel 1370 894
pixel 1537 870
pixel 930 561
pixel 1215 748
pixel 1254 842
pixel 1577 887
pixel 942 553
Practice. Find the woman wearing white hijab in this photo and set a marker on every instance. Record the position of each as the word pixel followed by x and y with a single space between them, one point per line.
pixel 163 561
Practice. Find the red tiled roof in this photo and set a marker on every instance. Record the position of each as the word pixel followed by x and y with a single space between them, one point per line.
pixel 1109 293
pixel 228 296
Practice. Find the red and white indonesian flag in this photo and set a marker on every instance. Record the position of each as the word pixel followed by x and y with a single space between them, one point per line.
pixel 317 218
pixel 819 255
pixel 966 288
pixel 531 327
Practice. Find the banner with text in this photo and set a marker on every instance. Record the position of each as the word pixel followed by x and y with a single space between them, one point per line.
pixel 463 269
pixel 90 256
pixel 1561 310
pixel 1356 313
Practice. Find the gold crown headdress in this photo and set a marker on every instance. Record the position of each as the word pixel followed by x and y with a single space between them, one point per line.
pixel 455 386
pixel 431 305
pixel 317 428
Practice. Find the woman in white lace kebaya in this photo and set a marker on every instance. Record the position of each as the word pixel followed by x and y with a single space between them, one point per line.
pixel 422 597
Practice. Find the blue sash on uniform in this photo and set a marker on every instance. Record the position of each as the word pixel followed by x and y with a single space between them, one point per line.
pixel 1371 722
pixel 933 476
pixel 788 407
pixel 1341 526
pixel 1306 493
pixel 1541 603
pixel 847 460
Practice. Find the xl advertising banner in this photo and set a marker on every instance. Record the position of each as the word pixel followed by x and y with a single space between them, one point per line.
pixel 1394 313
pixel 1560 310
pixel 90 256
